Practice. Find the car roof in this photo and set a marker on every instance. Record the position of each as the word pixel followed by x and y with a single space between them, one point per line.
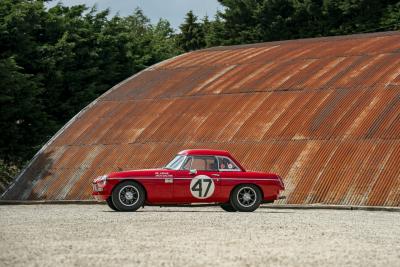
pixel 209 152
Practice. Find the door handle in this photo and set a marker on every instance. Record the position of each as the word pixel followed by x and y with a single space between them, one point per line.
pixel 168 180
pixel 215 174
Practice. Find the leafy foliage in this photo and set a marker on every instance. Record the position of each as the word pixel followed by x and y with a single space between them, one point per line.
pixel 7 173
pixel 192 33
pixel 251 21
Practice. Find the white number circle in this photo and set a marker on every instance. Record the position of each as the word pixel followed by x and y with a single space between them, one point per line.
pixel 202 186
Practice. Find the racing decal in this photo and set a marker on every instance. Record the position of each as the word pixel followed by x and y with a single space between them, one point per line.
pixel 163 174
pixel 202 186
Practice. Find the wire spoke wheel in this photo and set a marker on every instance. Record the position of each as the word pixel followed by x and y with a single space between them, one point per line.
pixel 246 196
pixel 128 195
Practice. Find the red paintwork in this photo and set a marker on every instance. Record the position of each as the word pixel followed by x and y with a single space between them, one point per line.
pixel 178 192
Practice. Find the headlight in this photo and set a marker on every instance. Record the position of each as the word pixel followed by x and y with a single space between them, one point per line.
pixel 101 180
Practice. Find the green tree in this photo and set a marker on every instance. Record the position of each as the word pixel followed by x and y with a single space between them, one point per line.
pixel 192 34
pixel 249 21
pixel 23 122
pixel 242 24
pixel 215 31
pixel 22 119
pixel 391 17
pixel 164 43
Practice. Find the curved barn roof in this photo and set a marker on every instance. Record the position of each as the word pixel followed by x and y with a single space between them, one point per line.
pixel 323 113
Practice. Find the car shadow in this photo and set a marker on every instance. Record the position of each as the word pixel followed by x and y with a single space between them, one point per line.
pixel 194 211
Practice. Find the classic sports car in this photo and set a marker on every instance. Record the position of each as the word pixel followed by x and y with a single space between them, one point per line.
pixel 193 176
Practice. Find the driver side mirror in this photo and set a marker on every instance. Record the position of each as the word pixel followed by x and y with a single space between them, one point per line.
pixel 193 171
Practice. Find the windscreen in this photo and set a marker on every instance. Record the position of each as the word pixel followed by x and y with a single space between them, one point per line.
pixel 175 163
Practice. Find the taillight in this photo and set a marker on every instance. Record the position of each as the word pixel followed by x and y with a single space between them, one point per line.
pixel 281 182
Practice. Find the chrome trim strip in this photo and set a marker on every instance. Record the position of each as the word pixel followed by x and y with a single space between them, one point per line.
pixel 255 179
pixel 181 178
pixel 138 177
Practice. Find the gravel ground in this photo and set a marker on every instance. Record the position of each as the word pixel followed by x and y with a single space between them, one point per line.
pixel 45 235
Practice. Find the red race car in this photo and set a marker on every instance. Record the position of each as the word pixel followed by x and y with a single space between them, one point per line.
pixel 194 176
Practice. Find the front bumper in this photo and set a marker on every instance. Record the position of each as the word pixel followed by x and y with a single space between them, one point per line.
pixel 99 196
pixel 100 193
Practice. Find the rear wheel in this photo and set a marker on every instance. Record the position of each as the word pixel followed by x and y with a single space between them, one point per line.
pixel 246 198
pixel 111 204
pixel 228 207
pixel 128 196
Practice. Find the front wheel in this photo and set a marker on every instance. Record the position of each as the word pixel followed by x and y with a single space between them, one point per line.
pixel 246 198
pixel 128 196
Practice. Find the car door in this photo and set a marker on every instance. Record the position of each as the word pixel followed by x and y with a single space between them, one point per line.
pixel 159 187
pixel 197 182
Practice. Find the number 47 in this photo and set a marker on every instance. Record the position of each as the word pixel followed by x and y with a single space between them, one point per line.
pixel 198 187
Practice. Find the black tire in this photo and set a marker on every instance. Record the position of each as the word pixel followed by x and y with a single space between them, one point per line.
pixel 228 207
pixel 246 198
pixel 128 196
pixel 111 204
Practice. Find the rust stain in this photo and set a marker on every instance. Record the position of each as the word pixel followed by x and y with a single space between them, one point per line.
pixel 324 113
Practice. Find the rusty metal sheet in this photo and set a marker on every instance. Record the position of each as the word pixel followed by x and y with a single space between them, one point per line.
pixel 324 113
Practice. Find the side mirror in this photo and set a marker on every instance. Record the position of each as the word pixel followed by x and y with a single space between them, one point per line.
pixel 193 171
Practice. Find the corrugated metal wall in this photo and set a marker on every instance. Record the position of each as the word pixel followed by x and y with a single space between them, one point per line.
pixel 324 113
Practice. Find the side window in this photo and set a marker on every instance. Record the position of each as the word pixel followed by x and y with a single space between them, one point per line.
pixel 226 164
pixel 205 163
pixel 187 164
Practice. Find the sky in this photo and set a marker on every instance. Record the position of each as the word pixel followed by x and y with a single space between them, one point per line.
pixel 172 10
